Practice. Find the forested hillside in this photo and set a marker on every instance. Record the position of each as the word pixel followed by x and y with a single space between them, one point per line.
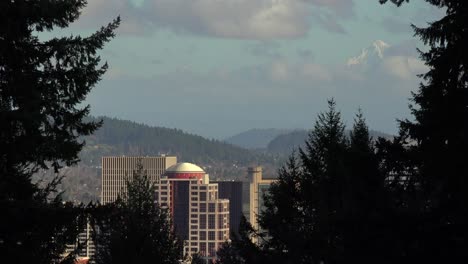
pixel 121 137
pixel 285 143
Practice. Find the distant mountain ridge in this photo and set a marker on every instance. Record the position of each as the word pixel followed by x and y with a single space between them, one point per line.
pixel 122 137
pixel 257 138
pixel 284 144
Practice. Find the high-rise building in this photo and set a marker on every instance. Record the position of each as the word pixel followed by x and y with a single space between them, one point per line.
pixel 232 190
pixel 116 170
pixel 200 218
pixel 258 187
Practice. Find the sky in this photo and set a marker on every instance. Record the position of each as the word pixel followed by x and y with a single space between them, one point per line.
pixel 220 67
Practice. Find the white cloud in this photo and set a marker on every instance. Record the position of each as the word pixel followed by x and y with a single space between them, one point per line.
pixel 403 67
pixel 243 19
pixel 259 19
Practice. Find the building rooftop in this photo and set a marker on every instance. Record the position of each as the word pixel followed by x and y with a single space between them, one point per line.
pixel 184 167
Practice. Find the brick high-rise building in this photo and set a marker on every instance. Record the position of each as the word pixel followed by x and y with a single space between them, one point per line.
pixel 201 219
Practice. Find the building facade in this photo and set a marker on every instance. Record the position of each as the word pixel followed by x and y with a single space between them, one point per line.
pixel 258 188
pixel 232 190
pixel 116 170
pixel 200 217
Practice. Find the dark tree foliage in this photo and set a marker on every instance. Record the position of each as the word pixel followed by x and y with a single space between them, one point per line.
pixel 134 229
pixel 434 142
pixel 241 250
pixel 197 258
pixel 42 84
pixel 365 221
pixel 330 204
pixel 305 206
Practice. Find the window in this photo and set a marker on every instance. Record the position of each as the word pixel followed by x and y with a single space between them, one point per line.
pixel 211 235
pixel 221 235
pixel 211 207
pixel 193 221
pixel 211 249
pixel 194 193
pixel 194 199
pixel 211 221
pixel 203 196
pixel 203 248
pixel 203 221
pixel 163 187
pixel 194 187
pixel 202 187
pixel 203 207
pixel 163 193
pixel 194 204
pixel 193 238
pixel 202 235
pixel 193 232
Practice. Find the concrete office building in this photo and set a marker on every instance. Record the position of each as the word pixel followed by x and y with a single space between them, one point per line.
pixel 258 187
pixel 232 190
pixel 200 218
pixel 116 170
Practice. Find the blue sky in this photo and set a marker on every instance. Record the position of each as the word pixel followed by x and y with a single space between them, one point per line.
pixel 219 67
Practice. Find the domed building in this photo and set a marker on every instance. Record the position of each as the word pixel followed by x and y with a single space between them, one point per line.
pixel 201 219
pixel 185 170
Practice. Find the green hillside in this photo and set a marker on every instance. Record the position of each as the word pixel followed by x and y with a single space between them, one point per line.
pixel 121 137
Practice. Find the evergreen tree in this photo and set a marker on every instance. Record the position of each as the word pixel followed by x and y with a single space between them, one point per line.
pixel 437 138
pixel 366 200
pixel 42 84
pixel 134 229
pixel 241 250
pixel 305 206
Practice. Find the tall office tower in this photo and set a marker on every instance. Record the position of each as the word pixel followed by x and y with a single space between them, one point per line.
pixel 201 219
pixel 116 170
pixel 258 187
pixel 232 190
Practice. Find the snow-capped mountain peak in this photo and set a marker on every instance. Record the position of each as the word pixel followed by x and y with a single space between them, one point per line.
pixel 375 51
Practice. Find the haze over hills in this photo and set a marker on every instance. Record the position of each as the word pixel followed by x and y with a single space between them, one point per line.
pixel 284 144
pixel 257 138
pixel 121 137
